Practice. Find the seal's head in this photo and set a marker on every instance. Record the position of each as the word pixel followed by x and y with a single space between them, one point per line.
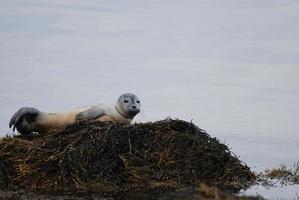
pixel 128 105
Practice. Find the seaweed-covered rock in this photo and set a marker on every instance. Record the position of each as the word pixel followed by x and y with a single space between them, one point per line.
pixel 93 156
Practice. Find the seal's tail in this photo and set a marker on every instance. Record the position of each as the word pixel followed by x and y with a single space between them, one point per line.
pixel 23 120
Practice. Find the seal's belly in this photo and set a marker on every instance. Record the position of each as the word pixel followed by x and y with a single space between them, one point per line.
pixel 107 118
pixel 53 122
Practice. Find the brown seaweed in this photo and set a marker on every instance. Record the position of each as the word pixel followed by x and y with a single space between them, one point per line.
pixel 93 156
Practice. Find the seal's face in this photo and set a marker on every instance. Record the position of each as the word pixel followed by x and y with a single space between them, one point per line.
pixel 128 105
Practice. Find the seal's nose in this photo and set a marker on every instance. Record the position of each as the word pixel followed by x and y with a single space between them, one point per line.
pixel 134 106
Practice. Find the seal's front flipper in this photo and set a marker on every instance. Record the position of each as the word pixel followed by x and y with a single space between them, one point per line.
pixel 23 120
pixel 91 113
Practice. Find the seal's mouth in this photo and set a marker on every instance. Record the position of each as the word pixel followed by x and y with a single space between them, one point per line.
pixel 130 113
pixel 133 112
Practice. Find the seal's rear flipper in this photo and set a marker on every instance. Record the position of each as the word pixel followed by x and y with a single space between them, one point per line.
pixel 23 120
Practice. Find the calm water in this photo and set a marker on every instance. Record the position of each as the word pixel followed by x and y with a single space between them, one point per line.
pixel 230 66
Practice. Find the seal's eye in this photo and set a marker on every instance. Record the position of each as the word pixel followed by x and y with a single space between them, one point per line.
pixel 138 101
pixel 126 101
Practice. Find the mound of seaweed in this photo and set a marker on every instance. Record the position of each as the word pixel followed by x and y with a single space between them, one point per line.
pixel 92 156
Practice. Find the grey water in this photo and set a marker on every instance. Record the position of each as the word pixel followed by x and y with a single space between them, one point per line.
pixel 231 66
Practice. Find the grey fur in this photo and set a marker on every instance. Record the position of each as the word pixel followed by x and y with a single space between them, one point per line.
pixel 126 107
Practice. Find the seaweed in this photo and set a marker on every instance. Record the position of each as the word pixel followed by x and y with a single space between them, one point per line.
pixel 283 174
pixel 93 156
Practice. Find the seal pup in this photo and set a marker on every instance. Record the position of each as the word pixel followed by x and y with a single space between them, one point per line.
pixel 28 120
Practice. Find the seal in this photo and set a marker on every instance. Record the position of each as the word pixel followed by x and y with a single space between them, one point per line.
pixel 28 120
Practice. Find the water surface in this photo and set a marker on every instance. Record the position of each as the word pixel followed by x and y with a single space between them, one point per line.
pixel 230 66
